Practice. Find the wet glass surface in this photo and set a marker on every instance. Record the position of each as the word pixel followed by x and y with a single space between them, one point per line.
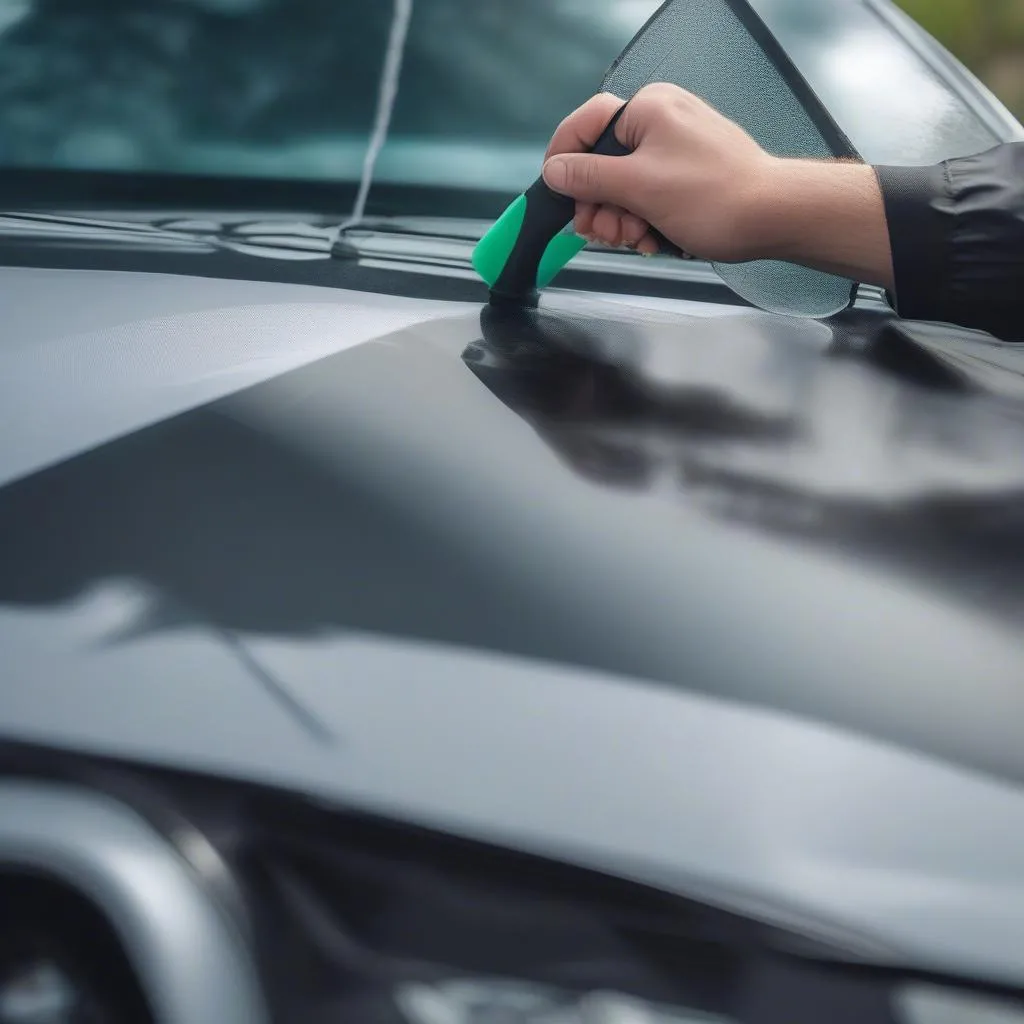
pixel 268 88
pixel 288 88
pixel 877 76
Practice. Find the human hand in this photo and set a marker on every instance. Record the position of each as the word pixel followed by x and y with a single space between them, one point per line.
pixel 693 174
pixel 707 186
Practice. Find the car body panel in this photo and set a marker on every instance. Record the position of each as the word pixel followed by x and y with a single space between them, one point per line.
pixel 193 960
pixel 362 567
pixel 121 350
pixel 724 603
pixel 898 95
pixel 814 828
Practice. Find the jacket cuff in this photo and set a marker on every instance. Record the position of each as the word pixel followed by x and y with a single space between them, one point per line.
pixel 917 203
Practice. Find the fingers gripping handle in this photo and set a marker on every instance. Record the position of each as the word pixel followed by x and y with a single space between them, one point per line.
pixel 539 249
pixel 608 145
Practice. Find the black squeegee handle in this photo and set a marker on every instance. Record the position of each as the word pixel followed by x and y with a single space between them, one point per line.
pixel 548 212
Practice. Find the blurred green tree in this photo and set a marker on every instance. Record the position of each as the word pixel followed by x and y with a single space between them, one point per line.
pixel 987 35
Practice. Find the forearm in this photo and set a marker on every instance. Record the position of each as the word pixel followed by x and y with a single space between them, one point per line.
pixel 945 241
pixel 828 215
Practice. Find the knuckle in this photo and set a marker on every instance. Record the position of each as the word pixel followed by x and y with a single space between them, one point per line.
pixel 567 126
pixel 654 102
pixel 590 173
pixel 646 99
pixel 659 92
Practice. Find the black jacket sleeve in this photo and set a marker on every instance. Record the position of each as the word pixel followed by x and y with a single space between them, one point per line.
pixel 957 235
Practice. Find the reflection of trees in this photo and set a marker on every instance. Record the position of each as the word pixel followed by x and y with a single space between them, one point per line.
pixel 520 65
pixel 118 81
pixel 266 70
pixel 166 70
pixel 752 424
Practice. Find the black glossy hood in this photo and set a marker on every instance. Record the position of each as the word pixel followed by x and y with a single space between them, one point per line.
pixel 414 557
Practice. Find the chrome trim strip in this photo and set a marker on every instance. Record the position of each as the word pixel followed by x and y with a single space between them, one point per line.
pixel 191 960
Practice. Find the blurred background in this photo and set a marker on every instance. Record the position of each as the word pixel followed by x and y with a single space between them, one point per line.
pixel 254 91
pixel 987 35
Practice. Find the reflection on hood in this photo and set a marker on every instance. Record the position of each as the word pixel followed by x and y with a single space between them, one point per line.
pixel 854 434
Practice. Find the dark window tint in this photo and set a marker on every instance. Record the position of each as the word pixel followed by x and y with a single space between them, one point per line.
pixel 287 88
pixel 898 95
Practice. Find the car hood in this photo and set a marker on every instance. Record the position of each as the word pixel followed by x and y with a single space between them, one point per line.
pixel 725 603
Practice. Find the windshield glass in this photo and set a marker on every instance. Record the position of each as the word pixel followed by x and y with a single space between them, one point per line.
pixel 286 89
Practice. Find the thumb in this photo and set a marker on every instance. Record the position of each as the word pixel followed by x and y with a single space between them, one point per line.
pixel 588 178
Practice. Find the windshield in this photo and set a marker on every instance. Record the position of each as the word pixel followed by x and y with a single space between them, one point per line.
pixel 286 89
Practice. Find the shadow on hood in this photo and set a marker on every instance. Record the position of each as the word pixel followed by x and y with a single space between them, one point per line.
pixel 850 435
pixel 641 495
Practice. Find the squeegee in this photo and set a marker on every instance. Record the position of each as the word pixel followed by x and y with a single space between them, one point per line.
pixel 724 52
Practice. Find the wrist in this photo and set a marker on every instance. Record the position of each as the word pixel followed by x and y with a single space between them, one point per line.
pixel 826 214
pixel 766 208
